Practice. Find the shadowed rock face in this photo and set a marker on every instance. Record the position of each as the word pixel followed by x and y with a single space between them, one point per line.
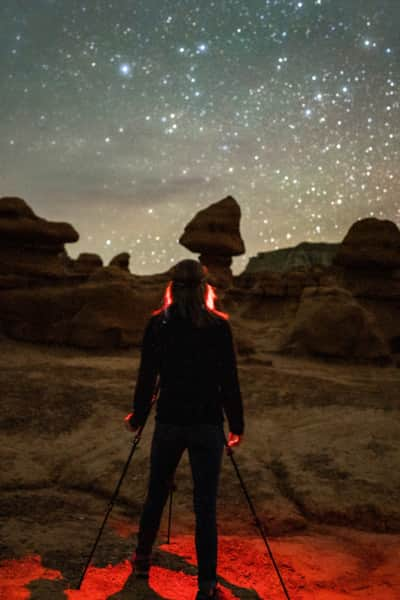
pixel 29 245
pixel 87 262
pixel 368 265
pixel 95 314
pixel 370 243
pixel 330 322
pixel 215 230
pixel 121 261
pixel 214 233
pixel 20 226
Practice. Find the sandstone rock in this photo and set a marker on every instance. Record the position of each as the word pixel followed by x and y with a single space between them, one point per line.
pixel 297 281
pixel 374 283
pixel 330 322
pixel 111 272
pixel 29 245
pixel 215 230
pixel 90 315
pixel 270 284
pixel 114 318
pixel 121 261
pixel 19 225
pixel 387 316
pixel 219 269
pixel 87 262
pixel 370 243
pixel 214 233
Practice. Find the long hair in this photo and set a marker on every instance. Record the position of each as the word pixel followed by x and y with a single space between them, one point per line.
pixel 191 294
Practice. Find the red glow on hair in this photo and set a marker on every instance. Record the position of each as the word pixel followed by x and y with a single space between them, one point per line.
pixel 210 298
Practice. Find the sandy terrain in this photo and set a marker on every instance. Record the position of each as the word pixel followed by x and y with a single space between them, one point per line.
pixel 320 458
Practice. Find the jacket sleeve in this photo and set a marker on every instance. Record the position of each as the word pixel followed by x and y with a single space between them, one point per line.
pixel 147 376
pixel 231 395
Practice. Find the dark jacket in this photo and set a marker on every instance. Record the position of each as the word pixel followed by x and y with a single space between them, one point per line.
pixel 197 373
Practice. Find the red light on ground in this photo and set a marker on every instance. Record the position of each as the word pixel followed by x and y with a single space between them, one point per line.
pixel 16 574
pixel 101 583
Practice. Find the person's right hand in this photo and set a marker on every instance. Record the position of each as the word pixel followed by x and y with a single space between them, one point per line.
pixel 234 439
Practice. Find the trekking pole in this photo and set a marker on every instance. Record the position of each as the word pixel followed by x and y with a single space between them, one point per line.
pixel 172 489
pixel 258 523
pixel 135 442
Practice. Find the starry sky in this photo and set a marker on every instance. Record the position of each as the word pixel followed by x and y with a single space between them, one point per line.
pixel 126 117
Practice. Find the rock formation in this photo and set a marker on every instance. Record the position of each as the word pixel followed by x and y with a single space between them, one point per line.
pixel 365 264
pixel 121 261
pixel 87 262
pixel 214 233
pixel 368 264
pixel 368 261
pixel 370 243
pixel 46 296
pixel 330 322
pixel 31 248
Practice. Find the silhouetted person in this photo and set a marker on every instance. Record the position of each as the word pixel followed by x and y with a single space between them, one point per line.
pixel 189 345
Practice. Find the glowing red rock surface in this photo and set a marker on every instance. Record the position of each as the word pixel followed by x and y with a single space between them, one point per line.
pixel 17 573
pixel 312 567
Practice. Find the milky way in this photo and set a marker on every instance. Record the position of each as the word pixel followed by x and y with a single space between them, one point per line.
pixel 127 117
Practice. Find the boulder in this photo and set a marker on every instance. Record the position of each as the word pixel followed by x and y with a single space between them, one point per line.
pixel 214 233
pixel 87 262
pixel 30 246
pixel 368 261
pixel 121 261
pixel 20 226
pixel 330 322
pixel 370 243
pixel 114 318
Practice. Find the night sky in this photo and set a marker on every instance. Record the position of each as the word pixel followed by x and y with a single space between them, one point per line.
pixel 125 118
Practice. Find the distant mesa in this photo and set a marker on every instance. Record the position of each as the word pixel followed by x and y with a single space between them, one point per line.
pixel 304 255
pixel 214 233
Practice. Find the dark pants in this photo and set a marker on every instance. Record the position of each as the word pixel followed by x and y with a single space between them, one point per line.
pixel 205 445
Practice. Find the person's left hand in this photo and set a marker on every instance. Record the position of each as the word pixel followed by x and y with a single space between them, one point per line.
pixel 128 424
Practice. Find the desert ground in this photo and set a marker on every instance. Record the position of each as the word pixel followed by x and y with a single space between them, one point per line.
pixel 319 458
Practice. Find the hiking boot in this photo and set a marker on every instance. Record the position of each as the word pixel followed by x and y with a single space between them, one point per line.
pixel 141 565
